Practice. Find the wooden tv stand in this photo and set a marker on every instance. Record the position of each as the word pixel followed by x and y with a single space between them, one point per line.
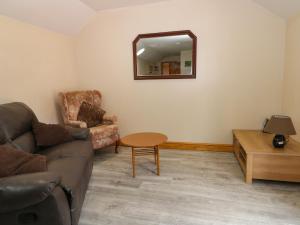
pixel 260 160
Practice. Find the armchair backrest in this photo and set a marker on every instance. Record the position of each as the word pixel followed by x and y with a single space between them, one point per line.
pixel 71 102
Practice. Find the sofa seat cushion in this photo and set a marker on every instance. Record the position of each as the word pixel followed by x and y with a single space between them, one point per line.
pixel 78 148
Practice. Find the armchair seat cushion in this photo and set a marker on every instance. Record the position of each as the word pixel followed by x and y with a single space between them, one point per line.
pixel 104 131
pixel 104 135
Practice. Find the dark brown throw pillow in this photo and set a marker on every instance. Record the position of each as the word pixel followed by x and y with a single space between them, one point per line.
pixel 15 162
pixel 90 114
pixel 47 135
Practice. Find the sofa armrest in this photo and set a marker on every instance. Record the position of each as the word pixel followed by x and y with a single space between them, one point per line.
pixel 79 133
pixel 112 118
pixel 76 123
pixel 21 191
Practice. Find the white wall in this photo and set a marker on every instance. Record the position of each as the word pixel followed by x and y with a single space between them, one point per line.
pixel 35 64
pixel 239 68
pixel 291 100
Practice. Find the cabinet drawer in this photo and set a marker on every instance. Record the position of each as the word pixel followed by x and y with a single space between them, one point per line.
pixel 272 167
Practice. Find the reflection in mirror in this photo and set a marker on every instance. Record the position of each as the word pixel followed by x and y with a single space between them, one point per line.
pixel 165 55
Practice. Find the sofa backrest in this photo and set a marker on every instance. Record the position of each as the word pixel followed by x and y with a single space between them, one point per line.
pixel 71 101
pixel 16 125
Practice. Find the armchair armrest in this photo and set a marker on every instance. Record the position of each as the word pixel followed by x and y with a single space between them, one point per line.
pixel 76 123
pixel 17 192
pixel 112 118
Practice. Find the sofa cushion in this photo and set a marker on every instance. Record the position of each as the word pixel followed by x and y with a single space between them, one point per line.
pixel 14 162
pixel 50 134
pixel 15 119
pixel 77 148
pixel 25 142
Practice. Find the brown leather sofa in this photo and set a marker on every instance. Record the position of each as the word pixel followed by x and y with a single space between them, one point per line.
pixel 54 197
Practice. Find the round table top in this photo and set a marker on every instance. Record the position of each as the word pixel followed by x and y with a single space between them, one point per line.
pixel 143 140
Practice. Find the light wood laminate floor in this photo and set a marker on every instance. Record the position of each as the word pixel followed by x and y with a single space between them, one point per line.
pixel 194 188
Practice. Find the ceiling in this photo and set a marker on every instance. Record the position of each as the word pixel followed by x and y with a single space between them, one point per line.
pixel 69 16
pixel 283 8
pixel 111 4
pixel 64 16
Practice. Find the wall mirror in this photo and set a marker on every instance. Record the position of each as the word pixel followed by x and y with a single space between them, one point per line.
pixel 167 55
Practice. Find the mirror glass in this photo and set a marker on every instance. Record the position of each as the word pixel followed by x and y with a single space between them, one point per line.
pixel 169 55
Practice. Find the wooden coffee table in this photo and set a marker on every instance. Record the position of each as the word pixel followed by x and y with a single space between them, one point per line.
pixel 144 144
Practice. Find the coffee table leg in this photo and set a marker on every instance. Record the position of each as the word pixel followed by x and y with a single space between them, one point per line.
pixel 157 160
pixel 133 161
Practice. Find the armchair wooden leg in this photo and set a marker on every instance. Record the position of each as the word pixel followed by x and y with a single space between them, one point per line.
pixel 158 162
pixel 116 147
pixel 155 156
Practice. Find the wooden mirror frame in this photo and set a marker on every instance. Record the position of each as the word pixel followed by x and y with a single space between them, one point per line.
pixel 164 34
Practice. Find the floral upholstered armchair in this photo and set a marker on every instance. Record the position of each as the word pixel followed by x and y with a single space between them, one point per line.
pixel 102 135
